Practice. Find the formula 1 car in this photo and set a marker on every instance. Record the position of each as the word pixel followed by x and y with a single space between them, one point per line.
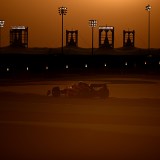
pixel 81 90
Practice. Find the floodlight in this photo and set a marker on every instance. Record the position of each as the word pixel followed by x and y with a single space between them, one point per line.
pixel 2 23
pixel 148 8
pixel 92 24
pixel 62 11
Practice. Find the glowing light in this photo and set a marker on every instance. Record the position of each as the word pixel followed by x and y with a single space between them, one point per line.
pixel 126 63
pixel 145 62
pixel 105 65
pixel 62 10
pixel 47 68
pixel 92 23
pixel 18 27
pixel 106 27
pixel 67 66
pixel 148 7
pixel 86 65
pixel 7 69
pixel 27 68
pixel 2 23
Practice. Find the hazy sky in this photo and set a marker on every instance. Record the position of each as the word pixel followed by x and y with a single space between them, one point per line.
pixel 44 22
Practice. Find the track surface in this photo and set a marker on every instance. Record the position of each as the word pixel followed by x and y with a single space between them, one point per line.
pixel 124 126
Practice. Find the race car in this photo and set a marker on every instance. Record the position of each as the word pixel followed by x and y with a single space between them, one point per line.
pixel 81 90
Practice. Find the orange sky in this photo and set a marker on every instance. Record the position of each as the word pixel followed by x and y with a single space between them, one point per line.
pixel 44 22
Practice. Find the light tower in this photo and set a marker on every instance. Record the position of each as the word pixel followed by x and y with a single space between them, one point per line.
pixel 1 26
pixel 62 11
pixel 106 37
pixel 148 8
pixel 72 38
pixel 128 38
pixel 92 24
pixel 19 36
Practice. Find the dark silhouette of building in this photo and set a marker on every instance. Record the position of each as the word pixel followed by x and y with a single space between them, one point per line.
pixel 128 38
pixel 19 36
pixel 106 37
pixel 72 38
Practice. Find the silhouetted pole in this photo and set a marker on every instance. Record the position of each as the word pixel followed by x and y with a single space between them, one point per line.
pixel 92 23
pixel 1 25
pixel 62 33
pixel 62 11
pixel 148 8
pixel 92 40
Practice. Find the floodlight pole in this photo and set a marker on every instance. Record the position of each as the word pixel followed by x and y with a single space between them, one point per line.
pixel 62 11
pixel 1 26
pixel 92 39
pixel 62 34
pixel 0 36
pixel 92 23
pixel 148 8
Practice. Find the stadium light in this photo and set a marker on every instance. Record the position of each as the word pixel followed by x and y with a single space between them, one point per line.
pixel 92 24
pixel 148 8
pixel 62 11
pixel 1 26
pixel 18 27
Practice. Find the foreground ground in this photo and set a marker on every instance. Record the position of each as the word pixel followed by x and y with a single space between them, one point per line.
pixel 124 126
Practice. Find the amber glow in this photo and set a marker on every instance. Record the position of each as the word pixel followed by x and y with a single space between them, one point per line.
pixel 44 22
